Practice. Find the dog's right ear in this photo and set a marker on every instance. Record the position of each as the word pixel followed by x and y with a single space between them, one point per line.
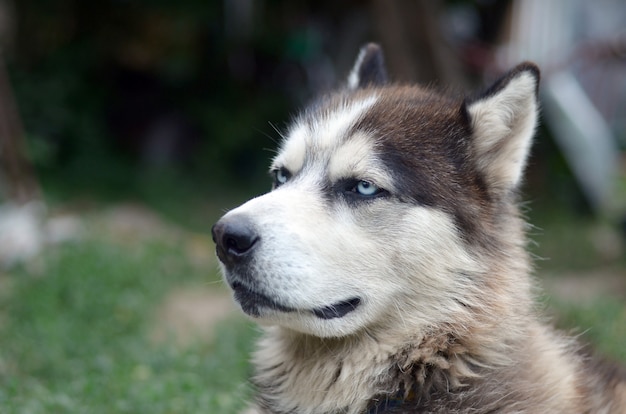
pixel 369 68
pixel 503 121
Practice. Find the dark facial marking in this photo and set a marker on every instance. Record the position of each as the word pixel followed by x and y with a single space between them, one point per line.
pixel 425 141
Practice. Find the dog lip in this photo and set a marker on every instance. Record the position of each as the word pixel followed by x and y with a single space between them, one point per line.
pixel 251 301
pixel 337 310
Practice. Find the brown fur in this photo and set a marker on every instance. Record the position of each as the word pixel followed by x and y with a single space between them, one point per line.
pixel 480 349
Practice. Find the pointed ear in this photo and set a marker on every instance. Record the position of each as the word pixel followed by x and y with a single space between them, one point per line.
pixel 503 121
pixel 369 68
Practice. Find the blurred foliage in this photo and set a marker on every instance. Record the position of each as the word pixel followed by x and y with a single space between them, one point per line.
pixel 118 85
pixel 76 331
pixel 75 338
pixel 191 93
pixel 601 322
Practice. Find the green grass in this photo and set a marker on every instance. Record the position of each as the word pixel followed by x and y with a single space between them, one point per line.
pixel 75 332
pixel 601 322
pixel 564 245
pixel 74 337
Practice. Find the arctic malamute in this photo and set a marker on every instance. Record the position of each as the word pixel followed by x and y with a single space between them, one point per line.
pixel 388 266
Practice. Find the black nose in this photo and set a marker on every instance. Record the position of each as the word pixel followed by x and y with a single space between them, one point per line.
pixel 235 238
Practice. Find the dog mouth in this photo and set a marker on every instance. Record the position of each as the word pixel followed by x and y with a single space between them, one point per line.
pixel 252 301
pixel 338 310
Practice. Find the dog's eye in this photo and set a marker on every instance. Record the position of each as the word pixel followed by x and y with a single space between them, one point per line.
pixel 367 189
pixel 281 176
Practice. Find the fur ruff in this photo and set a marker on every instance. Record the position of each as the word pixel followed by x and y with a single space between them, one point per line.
pixel 462 334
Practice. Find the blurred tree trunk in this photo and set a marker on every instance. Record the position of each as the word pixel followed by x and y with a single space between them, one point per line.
pixel 414 47
pixel 18 182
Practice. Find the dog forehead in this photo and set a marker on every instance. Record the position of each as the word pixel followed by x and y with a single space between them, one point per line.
pixel 322 130
pixel 362 135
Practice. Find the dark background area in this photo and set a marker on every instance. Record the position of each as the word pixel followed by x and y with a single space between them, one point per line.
pixel 177 103
pixel 119 97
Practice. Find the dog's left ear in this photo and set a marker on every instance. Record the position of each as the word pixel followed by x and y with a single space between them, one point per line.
pixel 503 121
pixel 369 68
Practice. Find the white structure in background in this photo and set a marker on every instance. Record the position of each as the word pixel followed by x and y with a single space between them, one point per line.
pixel 20 232
pixel 25 230
pixel 549 33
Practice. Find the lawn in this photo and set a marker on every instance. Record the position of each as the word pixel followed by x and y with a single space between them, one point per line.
pixel 75 333
pixel 77 325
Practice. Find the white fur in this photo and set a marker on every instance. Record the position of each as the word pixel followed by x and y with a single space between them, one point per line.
pixel 504 125
pixel 324 133
pixel 330 128
pixel 293 150
pixel 314 257
pixel 353 77
pixel 356 158
pixel 310 257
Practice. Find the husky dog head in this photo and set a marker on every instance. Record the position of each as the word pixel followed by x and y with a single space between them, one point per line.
pixel 390 203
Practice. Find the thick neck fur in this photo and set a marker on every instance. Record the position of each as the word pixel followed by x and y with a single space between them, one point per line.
pixel 301 374
pixel 298 373
pixel 496 357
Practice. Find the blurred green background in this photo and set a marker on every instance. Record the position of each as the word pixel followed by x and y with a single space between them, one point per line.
pixel 138 123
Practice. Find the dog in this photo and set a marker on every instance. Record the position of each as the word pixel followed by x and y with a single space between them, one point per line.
pixel 388 265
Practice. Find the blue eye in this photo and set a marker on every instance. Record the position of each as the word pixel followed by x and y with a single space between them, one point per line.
pixel 281 176
pixel 366 188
